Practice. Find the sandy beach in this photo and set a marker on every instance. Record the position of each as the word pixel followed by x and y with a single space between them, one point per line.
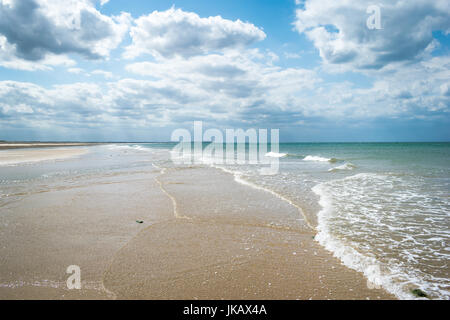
pixel 29 155
pixel 202 236
pixel 4 145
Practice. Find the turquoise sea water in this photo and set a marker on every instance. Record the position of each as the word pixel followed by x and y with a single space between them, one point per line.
pixel 384 210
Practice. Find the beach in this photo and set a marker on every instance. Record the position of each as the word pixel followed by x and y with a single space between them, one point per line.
pixel 18 156
pixel 4 145
pixel 147 232
pixel 215 248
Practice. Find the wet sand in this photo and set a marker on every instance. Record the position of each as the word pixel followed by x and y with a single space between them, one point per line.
pixel 229 242
pixel 204 236
pixel 84 223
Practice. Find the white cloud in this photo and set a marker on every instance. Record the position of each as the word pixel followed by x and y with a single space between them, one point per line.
pixel 292 55
pixel 445 89
pixel 233 89
pixel 8 59
pixel 34 30
pixel 178 33
pixel 97 72
pixel 106 74
pixel 232 85
pixel 338 29
pixel 203 68
pixel 16 109
pixel 76 70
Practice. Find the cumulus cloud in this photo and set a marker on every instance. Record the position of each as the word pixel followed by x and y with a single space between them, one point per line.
pixel 205 69
pixel 33 30
pixel 227 90
pixel 106 74
pixel 221 88
pixel 410 93
pixel 9 59
pixel 445 89
pixel 76 70
pixel 233 85
pixel 339 31
pixel 178 33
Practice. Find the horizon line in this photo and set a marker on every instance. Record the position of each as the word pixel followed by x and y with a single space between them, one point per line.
pixel 109 142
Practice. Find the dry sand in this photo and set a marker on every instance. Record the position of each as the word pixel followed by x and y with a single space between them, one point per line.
pixel 17 156
pixel 21 145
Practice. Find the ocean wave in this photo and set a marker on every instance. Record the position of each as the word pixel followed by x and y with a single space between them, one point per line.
pixel 320 159
pixel 276 155
pixel 295 156
pixel 129 147
pixel 376 207
pixel 347 166
pixel 349 256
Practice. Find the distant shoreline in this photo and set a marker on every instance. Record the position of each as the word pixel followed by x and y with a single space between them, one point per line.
pixel 19 154
pixel 4 145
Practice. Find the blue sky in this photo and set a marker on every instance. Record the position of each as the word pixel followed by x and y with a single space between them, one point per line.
pixel 136 70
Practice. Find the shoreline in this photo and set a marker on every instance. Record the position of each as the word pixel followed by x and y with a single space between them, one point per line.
pixel 255 254
pixel 204 236
pixel 7 145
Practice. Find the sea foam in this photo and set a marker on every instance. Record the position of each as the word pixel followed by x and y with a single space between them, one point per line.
pixel 347 166
pixel 366 214
pixel 318 159
pixel 275 155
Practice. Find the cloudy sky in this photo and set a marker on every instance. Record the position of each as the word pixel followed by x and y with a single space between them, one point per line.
pixel 136 70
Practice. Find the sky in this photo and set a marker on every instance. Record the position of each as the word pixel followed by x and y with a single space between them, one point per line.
pixel 317 70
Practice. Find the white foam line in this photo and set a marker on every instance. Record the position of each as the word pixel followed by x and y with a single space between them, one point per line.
pixel 90 285
pixel 351 258
pixel 275 155
pixel 346 166
pixel 174 201
pixel 238 178
pixel 316 158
